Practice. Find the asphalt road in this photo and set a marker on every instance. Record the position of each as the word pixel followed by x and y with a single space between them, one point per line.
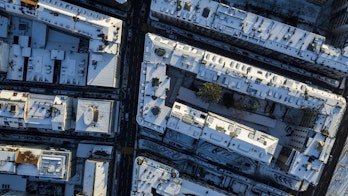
pixel 127 135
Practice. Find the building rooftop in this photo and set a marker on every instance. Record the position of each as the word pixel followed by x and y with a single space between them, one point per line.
pixel 339 180
pixel 40 66
pixel 152 177
pixel 160 54
pixel 8 161
pixel 90 150
pixel 83 34
pixel 49 112
pixel 102 70
pixel 4 56
pixel 36 161
pixel 95 178
pixel 19 109
pixel 73 68
pixel 255 29
pixel 12 108
pixel 16 183
pixel 54 112
pixel 4 23
pixel 94 115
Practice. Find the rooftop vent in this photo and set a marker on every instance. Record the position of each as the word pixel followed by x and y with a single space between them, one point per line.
pixel 206 12
pixel 12 108
pixel 188 119
pixel 90 116
pixel 155 82
pixel 140 161
pixel 178 6
pixel 155 110
pixel 160 51
pixel 187 6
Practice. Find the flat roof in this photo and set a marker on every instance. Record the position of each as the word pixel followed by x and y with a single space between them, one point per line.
pixel 37 161
pixel 103 34
pixel 101 178
pixel 7 160
pixel 73 70
pixel 16 63
pixel 40 66
pixel 86 150
pixel 4 23
pixel 103 70
pixel 94 115
pixel 49 112
pixel 52 166
pixel 95 178
pixel 4 56
pixel 88 178
pixel 12 108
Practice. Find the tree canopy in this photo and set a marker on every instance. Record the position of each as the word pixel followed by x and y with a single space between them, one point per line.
pixel 210 92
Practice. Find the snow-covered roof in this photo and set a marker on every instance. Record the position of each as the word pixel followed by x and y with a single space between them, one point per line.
pixel 94 115
pixel 16 63
pixel 306 168
pixel 163 178
pixel 339 180
pixel 254 29
pixel 4 23
pixel 189 187
pixel 102 70
pixel 103 33
pixel 19 109
pixel 7 160
pixel 187 120
pixel 222 132
pixel 150 175
pixel 12 108
pixel 87 150
pixel 36 161
pixel 160 53
pixel 52 166
pixel 240 77
pixel 73 69
pixel 40 66
pixel 152 110
pixel 95 178
pixel 49 112
pixel 80 20
pixel 4 56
